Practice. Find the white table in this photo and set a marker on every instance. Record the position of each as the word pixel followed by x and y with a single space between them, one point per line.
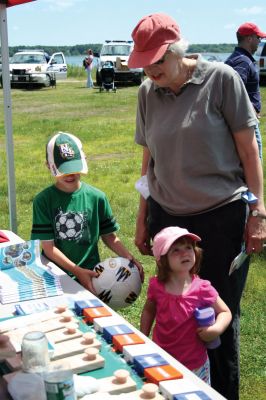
pixel 74 291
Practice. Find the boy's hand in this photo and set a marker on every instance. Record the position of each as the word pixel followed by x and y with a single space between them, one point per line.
pixel 84 277
pixel 139 266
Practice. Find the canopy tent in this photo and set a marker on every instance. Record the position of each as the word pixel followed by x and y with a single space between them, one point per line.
pixel 8 111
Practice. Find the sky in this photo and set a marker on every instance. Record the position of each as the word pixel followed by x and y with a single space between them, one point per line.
pixel 71 22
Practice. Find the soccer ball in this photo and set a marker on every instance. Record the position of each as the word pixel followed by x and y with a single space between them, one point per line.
pixel 118 283
pixel 69 226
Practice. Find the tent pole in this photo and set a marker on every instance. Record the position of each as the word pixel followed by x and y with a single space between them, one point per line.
pixel 8 120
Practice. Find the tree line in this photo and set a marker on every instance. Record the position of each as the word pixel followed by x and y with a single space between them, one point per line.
pixel 76 50
pixel 81 49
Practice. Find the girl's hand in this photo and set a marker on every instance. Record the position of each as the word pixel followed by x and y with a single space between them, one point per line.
pixel 208 333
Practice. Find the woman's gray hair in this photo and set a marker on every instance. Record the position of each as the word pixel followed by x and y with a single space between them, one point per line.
pixel 180 47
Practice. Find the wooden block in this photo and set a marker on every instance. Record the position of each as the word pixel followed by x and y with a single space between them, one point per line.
pixel 25 320
pixel 110 331
pixel 95 312
pixel 14 363
pixel 119 341
pixel 54 324
pixel 6 347
pixel 80 362
pixel 195 394
pixel 137 350
pixel 173 387
pixel 162 373
pixel 148 391
pixel 8 377
pixel 100 323
pixel 120 382
pixel 62 334
pixel 72 347
pixel 148 361
pixel 47 326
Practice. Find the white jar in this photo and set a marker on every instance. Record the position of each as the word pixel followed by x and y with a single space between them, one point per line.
pixel 35 356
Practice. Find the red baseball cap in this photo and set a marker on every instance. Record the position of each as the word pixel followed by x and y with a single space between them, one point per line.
pixel 151 37
pixel 167 236
pixel 248 28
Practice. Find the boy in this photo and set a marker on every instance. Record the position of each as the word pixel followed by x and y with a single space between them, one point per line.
pixel 70 216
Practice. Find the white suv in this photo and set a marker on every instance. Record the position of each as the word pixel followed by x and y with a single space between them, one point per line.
pixel 261 60
pixel 118 51
pixel 36 68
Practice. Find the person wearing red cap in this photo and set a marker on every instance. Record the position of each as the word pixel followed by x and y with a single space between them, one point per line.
pixel 242 60
pixel 173 297
pixel 196 125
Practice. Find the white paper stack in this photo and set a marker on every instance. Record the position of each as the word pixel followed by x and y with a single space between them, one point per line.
pixel 23 276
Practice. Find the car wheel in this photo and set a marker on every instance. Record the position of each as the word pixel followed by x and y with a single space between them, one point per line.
pixel 51 80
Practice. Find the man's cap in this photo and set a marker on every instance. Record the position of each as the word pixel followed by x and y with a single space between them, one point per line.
pixel 65 156
pixel 152 36
pixel 248 28
pixel 167 236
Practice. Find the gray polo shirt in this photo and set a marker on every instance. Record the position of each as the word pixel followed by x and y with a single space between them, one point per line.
pixel 195 166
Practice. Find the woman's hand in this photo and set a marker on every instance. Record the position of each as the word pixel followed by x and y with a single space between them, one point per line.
pixel 142 239
pixel 255 234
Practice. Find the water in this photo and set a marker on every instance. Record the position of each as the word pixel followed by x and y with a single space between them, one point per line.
pixel 216 56
pixel 77 60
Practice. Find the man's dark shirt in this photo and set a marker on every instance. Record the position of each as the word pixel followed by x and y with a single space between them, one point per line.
pixel 244 63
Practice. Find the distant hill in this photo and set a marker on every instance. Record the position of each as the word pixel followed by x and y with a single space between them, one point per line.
pixel 80 49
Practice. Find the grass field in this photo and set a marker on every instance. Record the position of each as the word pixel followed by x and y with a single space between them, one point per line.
pixel 105 124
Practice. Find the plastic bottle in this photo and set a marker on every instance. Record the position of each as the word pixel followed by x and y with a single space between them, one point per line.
pixel 59 383
pixel 206 317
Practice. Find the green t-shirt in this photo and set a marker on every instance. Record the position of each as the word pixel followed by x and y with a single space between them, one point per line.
pixel 75 221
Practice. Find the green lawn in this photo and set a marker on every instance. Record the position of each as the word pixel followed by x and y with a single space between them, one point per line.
pixel 105 124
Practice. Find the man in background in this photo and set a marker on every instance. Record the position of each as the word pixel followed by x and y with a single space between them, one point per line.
pixel 248 37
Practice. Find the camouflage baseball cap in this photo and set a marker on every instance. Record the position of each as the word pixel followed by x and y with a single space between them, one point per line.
pixel 65 156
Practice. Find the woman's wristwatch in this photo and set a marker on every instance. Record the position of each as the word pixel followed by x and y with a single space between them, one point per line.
pixel 257 213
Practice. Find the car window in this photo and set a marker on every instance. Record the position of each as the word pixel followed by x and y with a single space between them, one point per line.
pixel 28 59
pixel 58 59
pixel 113 50
pixel 261 51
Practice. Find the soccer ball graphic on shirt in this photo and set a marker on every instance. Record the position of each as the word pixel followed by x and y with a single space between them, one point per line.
pixel 69 226
pixel 118 283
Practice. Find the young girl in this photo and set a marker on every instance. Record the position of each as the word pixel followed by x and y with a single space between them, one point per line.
pixel 173 296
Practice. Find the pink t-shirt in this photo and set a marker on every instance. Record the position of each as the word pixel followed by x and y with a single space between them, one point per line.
pixel 175 325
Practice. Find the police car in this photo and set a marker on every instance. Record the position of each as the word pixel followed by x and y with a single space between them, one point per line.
pixel 37 68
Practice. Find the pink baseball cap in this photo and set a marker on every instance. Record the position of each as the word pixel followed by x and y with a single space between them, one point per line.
pixel 248 28
pixel 151 37
pixel 166 237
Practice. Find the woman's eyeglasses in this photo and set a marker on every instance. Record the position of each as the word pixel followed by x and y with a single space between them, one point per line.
pixel 162 60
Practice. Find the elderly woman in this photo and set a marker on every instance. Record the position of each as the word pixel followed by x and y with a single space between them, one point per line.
pixel 196 125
